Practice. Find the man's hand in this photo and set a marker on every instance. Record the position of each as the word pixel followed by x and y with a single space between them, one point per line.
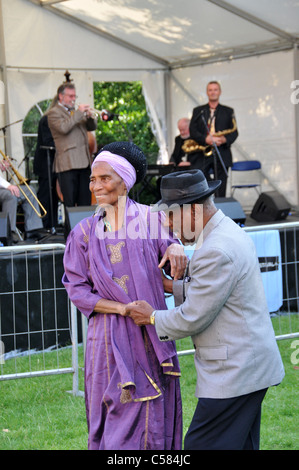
pixel 218 140
pixel 85 109
pixel 14 190
pixel 140 311
pixel 178 260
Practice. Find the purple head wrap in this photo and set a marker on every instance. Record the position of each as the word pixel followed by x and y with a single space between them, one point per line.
pixel 120 165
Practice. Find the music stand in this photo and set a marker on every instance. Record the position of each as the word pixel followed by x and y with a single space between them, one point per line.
pixel 3 129
pixel 45 147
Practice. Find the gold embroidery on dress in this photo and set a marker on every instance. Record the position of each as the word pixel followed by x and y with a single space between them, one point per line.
pixel 122 282
pixel 85 238
pixel 146 425
pixel 116 256
pixel 151 397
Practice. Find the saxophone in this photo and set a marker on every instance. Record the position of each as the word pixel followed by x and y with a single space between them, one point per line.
pixel 191 146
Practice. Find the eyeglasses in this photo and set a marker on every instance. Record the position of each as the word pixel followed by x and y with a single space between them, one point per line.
pixel 70 95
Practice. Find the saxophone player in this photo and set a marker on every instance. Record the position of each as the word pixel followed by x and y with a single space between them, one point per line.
pixel 223 131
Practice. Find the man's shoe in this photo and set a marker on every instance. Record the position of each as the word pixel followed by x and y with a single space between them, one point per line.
pixel 36 234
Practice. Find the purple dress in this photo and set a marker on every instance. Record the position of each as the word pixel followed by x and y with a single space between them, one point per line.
pixel 132 390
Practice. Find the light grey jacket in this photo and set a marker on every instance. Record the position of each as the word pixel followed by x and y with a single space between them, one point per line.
pixel 225 312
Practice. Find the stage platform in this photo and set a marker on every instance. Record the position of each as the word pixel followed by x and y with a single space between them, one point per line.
pixel 291 218
pixel 230 206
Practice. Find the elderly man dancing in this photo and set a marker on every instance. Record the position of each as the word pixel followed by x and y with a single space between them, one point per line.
pixel 222 306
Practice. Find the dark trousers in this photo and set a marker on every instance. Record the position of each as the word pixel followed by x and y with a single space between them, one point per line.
pixel 44 194
pixel 74 185
pixel 226 424
pixel 208 165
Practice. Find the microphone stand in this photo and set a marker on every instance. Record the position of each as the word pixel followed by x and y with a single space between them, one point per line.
pixel 214 150
pixel 3 129
pixel 45 147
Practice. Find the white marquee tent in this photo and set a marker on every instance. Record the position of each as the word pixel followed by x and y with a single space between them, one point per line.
pixel 175 47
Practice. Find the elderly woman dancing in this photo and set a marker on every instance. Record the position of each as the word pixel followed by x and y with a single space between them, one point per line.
pixel 112 258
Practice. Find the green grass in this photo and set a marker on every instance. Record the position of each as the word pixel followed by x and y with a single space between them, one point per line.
pixel 39 413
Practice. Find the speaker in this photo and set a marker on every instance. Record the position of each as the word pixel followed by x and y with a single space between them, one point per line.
pixel 74 215
pixel 231 208
pixel 5 231
pixel 269 207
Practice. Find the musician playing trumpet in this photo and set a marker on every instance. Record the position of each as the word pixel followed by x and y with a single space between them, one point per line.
pixel 221 124
pixel 72 162
pixel 11 196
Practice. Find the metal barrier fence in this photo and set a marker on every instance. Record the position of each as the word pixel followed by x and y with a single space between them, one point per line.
pixel 36 316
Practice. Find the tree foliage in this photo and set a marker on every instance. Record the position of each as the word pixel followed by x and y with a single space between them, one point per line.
pixel 126 100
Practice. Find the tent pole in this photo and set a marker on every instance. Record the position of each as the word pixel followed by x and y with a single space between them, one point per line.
pixel 5 142
pixel 296 111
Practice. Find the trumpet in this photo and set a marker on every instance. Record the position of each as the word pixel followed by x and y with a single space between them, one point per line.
pixel 103 114
pixel 19 180
pixel 191 146
pixel 90 112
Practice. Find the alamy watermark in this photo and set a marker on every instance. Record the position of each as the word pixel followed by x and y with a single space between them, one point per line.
pixel 154 225
pixel 295 354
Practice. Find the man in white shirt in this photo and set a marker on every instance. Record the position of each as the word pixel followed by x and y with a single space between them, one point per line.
pixel 10 197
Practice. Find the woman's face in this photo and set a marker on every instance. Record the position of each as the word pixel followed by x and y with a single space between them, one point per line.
pixel 106 184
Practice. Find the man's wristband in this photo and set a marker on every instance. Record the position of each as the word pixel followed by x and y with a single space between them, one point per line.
pixel 152 317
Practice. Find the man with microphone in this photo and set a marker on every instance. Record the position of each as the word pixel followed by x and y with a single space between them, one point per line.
pixel 213 124
pixel 72 160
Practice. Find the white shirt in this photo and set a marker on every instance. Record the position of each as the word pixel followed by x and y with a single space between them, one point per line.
pixel 4 183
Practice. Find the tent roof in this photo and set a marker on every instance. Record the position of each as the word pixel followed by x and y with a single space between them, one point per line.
pixel 178 33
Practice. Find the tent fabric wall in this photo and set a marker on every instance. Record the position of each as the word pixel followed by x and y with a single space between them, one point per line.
pixel 34 73
pixel 37 38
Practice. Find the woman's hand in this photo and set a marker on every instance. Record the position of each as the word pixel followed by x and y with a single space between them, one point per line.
pixel 167 283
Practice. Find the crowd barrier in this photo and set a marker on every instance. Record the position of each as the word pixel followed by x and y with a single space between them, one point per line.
pixel 38 322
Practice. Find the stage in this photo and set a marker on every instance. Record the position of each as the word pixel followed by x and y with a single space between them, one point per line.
pixel 34 309
pixel 230 206
pixel 290 219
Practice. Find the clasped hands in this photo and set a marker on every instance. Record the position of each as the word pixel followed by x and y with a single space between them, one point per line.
pixel 140 310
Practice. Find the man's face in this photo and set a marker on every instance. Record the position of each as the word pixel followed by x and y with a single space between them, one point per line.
pixel 185 222
pixel 213 92
pixel 183 127
pixel 68 98
pixel 106 185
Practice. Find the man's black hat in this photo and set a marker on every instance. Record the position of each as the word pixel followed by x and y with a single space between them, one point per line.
pixel 184 187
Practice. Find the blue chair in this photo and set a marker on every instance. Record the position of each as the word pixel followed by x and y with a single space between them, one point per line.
pixel 248 166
